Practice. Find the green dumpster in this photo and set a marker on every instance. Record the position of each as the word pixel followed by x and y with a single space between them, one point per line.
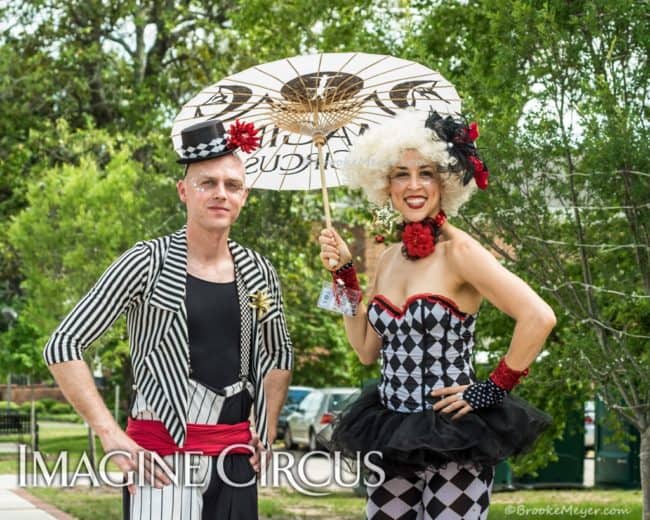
pixel 502 477
pixel 615 466
pixel 568 470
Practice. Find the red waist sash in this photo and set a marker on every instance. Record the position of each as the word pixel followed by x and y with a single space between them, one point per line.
pixel 209 439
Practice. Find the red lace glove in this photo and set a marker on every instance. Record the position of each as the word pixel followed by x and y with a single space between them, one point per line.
pixel 346 287
pixel 348 275
pixel 505 377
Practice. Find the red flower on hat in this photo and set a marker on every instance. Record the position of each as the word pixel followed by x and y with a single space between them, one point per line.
pixel 418 240
pixel 473 131
pixel 243 135
pixel 481 173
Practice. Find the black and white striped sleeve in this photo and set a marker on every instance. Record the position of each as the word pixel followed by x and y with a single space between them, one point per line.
pixel 276 335
pixel 121 285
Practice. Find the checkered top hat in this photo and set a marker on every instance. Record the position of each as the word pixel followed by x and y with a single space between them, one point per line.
pixel 202 141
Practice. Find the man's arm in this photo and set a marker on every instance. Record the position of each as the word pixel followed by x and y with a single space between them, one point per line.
pixel 121 285
pixel 278 344
pixel 276 384
pixel 78 387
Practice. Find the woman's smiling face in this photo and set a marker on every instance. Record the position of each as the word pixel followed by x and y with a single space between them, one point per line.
pixel 415 187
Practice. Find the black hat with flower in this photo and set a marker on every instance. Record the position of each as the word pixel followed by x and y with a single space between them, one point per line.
pixel 460 138
pixel 209 139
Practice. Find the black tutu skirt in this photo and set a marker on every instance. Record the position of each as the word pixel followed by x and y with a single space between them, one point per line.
pixel 411 442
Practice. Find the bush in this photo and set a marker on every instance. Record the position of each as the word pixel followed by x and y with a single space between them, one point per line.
pixel 61 408
pixel 48 403
pixel 12 405
pixel 61 417
pixel 26 407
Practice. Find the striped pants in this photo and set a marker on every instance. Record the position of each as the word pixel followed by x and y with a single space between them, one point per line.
pixel 450 493
pixel 200 493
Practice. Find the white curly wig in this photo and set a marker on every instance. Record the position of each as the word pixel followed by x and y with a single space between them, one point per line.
pixel 376 152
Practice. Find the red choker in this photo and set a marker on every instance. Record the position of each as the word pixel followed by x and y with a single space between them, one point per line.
pixel 419 238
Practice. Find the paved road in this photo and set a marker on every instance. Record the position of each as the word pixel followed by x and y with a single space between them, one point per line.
pixel 15 507
pixel 312 472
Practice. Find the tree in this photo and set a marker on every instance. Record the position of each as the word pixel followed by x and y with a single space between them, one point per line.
pixel 318 338
pixel 563 89
pixel 78 219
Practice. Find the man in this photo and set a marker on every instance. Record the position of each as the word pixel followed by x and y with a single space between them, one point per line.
pixel 208 339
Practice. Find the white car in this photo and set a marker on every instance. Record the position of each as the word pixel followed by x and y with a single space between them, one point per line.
pixel 316 412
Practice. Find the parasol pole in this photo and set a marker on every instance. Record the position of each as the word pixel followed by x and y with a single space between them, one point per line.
pixel 319 141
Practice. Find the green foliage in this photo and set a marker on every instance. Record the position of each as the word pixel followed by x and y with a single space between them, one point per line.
pixel 48 403
pixel 79 217
pixel 561 91
pixel 20 349
pixel 26 407
pixel 42 406
pixel 319 339
pixel 73 417
pixel 61 408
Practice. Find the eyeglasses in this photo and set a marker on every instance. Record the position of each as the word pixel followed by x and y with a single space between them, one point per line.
pixel 210 186
pixel 402 178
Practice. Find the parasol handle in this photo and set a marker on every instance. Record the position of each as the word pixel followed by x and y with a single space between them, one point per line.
pixel 319 140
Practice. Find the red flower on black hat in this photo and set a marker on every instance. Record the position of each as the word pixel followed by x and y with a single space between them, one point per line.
pixel 481 173
pixel 473 131
pixel 243 135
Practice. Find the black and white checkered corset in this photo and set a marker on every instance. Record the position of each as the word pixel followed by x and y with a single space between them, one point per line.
pixel 426 345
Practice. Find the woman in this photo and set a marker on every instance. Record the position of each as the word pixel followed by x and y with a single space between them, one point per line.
pixel 440 432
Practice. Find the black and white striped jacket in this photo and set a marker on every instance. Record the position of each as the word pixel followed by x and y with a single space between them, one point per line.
pixel 147 284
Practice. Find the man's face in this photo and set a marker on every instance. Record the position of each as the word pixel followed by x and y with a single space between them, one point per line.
pixel 214 192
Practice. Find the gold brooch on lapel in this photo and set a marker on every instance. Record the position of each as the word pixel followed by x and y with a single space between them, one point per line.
pixel 261 302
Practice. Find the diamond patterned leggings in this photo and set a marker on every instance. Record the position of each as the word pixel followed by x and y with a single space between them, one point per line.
pixel 450 493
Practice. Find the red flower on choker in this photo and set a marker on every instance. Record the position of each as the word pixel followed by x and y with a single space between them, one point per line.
pixel 419 238
pixel 243 135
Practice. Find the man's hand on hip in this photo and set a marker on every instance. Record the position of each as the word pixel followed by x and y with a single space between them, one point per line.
pixel 131 461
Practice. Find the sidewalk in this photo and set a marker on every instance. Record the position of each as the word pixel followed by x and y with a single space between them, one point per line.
pixel 18 504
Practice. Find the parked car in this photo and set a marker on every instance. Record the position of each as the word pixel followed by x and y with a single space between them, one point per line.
pixel 295 395
pixel 590 425
pixel 310 422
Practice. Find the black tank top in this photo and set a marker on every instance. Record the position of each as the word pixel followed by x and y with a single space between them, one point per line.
pixel 214 329
pixel 213 325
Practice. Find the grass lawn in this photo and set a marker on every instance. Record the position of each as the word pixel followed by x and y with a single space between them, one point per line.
pixel 83 503
pixel 283 504
pixel 53 437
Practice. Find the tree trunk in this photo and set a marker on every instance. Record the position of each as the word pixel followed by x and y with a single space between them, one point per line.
pixel 645 471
